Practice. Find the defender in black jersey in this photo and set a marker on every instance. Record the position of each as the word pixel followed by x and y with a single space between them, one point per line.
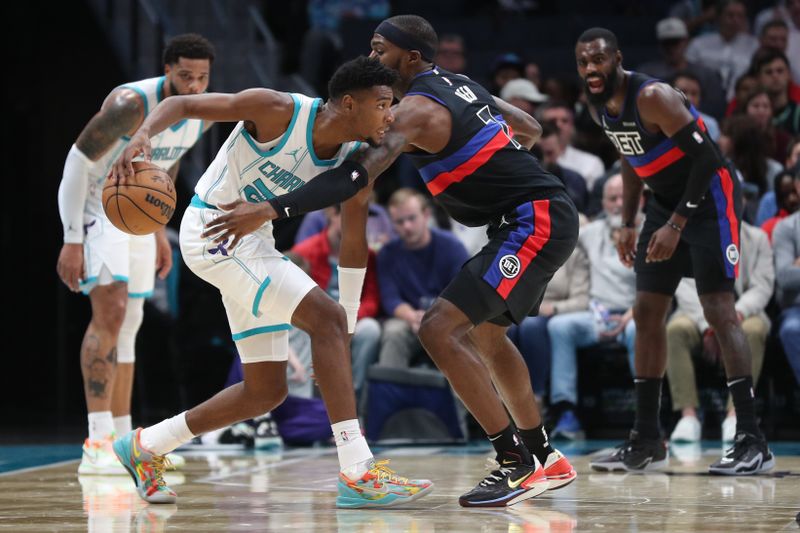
pixel 691 229
pixel 472 152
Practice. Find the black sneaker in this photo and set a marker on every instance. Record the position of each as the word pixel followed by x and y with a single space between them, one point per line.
pixel 242 433
pixel 634 455
pixel 266 433
pixel 748 455
pixel 510 484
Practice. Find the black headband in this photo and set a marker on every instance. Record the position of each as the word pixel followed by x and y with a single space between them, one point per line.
pixel 404 39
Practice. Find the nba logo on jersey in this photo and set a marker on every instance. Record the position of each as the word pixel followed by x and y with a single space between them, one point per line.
pixel 509 266
pixel 732 254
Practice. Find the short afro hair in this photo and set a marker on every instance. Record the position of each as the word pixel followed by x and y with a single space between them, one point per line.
pixel 417 27
pixel 190 46
pixel 593 34
pixel 360 73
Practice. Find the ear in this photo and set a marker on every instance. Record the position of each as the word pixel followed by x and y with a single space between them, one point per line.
pixel 619 57
pixel 167 69
pixel 414 57
pixel 347 103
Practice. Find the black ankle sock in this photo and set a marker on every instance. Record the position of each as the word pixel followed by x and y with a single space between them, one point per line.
pixel 741 389
pixel 537 442
pixel 509 446
pixel 648 404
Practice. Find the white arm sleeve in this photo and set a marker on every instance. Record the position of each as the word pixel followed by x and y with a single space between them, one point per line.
pixel 72 194
pixel 351 281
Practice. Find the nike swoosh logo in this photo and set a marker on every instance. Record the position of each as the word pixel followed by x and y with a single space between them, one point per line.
pixel 507 462
pixel 515 484
pixel 286 210
pixel 135 449
pixel 690 205
pixel 735 381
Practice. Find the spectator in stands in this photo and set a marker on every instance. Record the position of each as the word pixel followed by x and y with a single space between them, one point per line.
pixel 787 200
pixel 771 67
pixel 786 244
pixel 673 38
pixel 687 82
pixel 321 251
pixel 587 165
pixel 523 94
pixel 451 54
pixel 729 49
pixel 505 67
pixel 746 84
pixel 612 288
pixel 567 292
pixel 688 332
pixel 699 16
pixel 412 270
pixel 787 12
pixel 549 148
pixel 533 73
pixel 379 227
pixel 759 106
pixel 774 34
pixel 768 206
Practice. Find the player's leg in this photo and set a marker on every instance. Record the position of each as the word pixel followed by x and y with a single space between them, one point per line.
pixel 445 335
pixel 126 357
pixel 511 377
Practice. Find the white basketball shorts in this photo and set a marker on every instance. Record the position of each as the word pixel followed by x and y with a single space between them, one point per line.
pixel 260 287
pixel 111 255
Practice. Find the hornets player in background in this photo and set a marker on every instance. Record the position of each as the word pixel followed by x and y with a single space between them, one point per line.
pixel 458 137
pixel 115 269
pixel 282 142
pixel 691 229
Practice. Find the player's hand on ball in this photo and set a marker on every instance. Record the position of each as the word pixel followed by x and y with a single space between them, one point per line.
pixel 662 244
pixel 626 246
pixel 70 265
pixel 242 218
pixel 139 144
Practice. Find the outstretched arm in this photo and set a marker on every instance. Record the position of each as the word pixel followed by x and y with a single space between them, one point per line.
pixel 527 129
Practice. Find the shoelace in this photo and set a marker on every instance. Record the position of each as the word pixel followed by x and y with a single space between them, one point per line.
pixel 494 477
pixel 160 464
pixel 739 447
pixel 383 472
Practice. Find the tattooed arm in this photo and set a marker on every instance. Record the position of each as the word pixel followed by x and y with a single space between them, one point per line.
pixel 121 113
pixel 527 129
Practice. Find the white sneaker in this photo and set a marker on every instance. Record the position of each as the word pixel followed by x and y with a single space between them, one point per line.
pixel 729 429
pixel 99 458
pixel 686 430
pixel 175 461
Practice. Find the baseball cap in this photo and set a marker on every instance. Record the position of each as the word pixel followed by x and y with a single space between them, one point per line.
pixel 522 88
pixel 671 28
pixel 508 60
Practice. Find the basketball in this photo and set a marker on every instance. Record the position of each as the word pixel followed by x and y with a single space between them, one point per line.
pixel 144 204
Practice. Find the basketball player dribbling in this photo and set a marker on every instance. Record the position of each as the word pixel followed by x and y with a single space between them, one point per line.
pixel 458 137
pixel 115 269
pixel 282 142
pixel 691 229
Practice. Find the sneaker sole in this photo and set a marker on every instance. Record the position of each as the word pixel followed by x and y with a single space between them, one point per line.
pixel 91 470
pixel 558 482
pixel 765 466
pixel 269 443
pixel 535 490
pixel 352 503
pixel 608 467
pixel 652 466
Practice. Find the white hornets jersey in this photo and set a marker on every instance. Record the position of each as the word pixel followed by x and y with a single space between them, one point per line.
pixel 249 170
pixel 167 147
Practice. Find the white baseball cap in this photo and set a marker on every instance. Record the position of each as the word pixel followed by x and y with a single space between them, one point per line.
pixel 671 28
pixel 522 88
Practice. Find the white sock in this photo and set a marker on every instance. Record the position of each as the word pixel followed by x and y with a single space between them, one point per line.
pixel 166 435
pixel 101 425
pixel 352 447
pixel 122 425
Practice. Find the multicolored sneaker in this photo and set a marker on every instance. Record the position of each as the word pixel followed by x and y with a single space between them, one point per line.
pixel 558 470
pixel 146 469
pixel 99 459
pixel 380 486
pixel 509 484
pixel 175 461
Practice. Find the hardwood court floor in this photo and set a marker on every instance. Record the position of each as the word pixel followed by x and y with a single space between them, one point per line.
pixel 295 491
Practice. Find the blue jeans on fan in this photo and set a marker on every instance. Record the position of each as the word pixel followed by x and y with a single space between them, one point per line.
pixel 531 339
pixel 568 333
pixel 789 333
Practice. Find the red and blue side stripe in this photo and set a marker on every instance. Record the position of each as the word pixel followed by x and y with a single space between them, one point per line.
pixel 440 174
pixel 662 155
pixel 526 241
pixel 722 190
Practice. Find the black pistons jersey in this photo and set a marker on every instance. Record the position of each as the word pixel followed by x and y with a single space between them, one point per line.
pixel 483 172
pixel 655 158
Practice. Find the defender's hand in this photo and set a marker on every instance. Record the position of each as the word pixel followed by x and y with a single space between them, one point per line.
pixel 163 254
pixel 626 246
pixel 662 244
pixel 70 265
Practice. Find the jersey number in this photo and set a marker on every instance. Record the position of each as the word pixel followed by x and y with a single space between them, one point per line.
pixel 486 117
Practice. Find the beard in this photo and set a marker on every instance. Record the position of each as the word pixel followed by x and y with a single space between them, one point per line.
pixel 172 89
pixel 610 84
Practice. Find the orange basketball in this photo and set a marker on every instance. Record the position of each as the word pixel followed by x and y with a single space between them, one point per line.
pixel 144 204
